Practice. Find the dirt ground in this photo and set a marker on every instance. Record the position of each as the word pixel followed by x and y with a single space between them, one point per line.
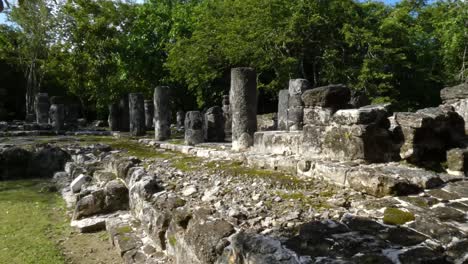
pixel 93 248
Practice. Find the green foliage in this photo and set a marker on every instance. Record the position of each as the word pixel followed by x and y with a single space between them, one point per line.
pixel 100 50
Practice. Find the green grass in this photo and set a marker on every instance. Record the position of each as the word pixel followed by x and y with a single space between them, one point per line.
pixel 132 147
pixel 30 221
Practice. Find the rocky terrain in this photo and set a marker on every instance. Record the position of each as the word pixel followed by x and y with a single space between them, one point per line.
pixel 168 207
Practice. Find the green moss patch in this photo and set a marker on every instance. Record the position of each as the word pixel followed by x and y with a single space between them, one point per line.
pixel 395 216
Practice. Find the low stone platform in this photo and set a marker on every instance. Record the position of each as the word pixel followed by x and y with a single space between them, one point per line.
pixel 376 179
pixel 203 215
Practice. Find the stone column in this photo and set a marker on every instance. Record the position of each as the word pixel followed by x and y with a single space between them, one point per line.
pixel 149 114
pixel 57 116
pixel 124 121
pixel 42 108
pixel 162 113
pixel 114 117
pixel 213 125
pixel 243 99
pixel 180 116
pixel 295 104
pixel 283 104
pixel 227 116
pixel 193 128
pixel 137 114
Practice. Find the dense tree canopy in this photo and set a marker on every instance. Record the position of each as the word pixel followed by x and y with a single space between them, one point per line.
pixel 99 50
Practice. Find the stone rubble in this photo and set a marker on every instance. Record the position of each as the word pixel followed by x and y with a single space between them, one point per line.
pixel 214 213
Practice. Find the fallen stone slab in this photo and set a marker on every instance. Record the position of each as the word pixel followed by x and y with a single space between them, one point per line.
pixel 89 225
pixel 78 182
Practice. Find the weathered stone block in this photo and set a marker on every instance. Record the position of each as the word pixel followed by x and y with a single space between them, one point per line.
pixel 57 116
pixel 283 104
pixel 457 161
pixel 458 92
pixel 278 143
pixel 298 86
pixel 364 115
pixel 180 119
pixel 193 128
pixel 334 96
pixel 429 133
pixel 78 182
pixel 214 125
pixel 317 116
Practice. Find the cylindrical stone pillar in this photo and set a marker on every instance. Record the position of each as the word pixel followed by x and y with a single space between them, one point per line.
pixel 57 116
pixel 193 128
pixel 137 114
pixel 42 108
pixel 227 116
pixel 243 99
pixel 124 120
pixel 162 113
pixel 283 105
pixel 149 114
pixel 114 117
pixel 295 104
pixel 213 125
pixel 180 119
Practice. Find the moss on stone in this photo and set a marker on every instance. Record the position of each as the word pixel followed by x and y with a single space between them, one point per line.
pixel 124 230
pixel 395 216
pixel 172 241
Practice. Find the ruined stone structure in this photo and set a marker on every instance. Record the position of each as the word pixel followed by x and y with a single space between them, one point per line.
pixel 193 128
pixel 227 116
pixel 42 106
pixel 283 104
pixel 124 113
pixel 457 96
pixel 137 114
pixel 162 113
pixel 149 114
pixel 243 102
pixel 213 125
pixel 295 105
pixel 180 119
pixel 57 116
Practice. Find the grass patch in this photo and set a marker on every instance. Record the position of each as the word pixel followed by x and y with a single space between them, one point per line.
pixel 30 221
pixel 187 163
pixel 237 169
pixel 132 148
pixel 303 198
